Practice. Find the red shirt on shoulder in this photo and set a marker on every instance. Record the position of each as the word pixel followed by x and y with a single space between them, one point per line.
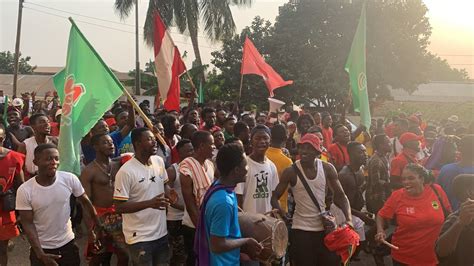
pixel 338 155
pixel 327 135
pixel 419 221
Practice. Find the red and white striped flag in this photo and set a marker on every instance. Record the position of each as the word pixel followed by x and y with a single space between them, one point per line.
pixel 168 64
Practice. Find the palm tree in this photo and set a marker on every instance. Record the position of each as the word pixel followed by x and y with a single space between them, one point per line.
pixel 185 15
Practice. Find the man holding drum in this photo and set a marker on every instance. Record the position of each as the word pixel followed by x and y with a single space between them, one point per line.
pixel 218 236
pixel 307 233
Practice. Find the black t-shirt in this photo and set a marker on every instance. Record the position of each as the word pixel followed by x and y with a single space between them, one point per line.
pixel 462 255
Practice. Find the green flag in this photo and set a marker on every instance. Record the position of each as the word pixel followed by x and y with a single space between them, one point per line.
pixel 201 93
pixel 5 110
pixel 87 88
pixel 355 66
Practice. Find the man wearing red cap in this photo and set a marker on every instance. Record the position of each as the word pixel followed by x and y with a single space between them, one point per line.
pixel 307 232
pixel 411 146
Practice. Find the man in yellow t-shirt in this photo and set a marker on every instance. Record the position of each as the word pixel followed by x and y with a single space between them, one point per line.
pixel 277 156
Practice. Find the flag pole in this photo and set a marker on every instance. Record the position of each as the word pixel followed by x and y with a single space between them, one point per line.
pixel 143 115
pixel 241 83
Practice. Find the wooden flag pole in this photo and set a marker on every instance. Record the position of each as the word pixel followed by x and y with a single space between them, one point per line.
pixel 143 116
pixel 241 83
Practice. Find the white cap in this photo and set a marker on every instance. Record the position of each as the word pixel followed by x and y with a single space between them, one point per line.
pixel 17 102
pixel 453 118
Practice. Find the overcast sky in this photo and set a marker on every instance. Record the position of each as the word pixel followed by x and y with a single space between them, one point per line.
pixel 44 36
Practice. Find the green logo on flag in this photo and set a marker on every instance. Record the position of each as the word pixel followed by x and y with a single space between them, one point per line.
pixel 362 81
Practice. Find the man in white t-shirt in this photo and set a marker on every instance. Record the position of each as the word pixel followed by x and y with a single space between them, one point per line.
pixel 44 205
pixel 262 178
pixel 141 195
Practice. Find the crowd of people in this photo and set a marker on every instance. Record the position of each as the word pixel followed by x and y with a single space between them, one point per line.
pixel 405 186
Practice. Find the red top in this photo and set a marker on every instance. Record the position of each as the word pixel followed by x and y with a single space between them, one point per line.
pixel 54 129
pixel 400 161
pixel 419 220
pixel 338 155
pixel 10 166
pixel 327 135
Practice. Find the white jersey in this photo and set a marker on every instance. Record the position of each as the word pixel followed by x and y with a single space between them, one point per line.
pixel 136 182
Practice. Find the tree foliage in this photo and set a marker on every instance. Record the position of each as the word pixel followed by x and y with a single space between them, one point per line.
pixel 187 16
pixel 7 63
pixel 310 41
pixel 440 70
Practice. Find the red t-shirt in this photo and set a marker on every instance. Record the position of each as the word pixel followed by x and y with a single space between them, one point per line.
pixel 419 220
pixel 54 128
pixel 338 155
pixel 400 161
pixel 327 135
pixel 10 166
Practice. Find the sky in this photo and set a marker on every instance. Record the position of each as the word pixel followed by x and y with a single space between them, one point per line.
pixel 45 30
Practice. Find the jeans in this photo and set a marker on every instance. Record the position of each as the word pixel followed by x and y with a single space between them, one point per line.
pixel 150 253
pixel 188 234
pixel 69 255
pixel 176 240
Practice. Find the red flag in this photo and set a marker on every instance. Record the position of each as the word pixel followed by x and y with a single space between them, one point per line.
pixel 168 64
pixel 253 63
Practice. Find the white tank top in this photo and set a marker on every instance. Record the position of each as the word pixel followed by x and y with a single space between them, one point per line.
pixel 173 213
pixel 307 216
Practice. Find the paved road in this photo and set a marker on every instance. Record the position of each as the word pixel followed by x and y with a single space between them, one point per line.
pixel 20 254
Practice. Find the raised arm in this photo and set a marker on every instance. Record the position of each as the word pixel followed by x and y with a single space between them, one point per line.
pixel 130 121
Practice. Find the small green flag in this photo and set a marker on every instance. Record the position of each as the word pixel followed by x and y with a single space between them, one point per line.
pixel 5 110
pixel 201 93
pixel 355 66
pixel 87 88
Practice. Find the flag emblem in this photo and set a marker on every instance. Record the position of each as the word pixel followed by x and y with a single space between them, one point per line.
pixel 435 204
pixel 362 81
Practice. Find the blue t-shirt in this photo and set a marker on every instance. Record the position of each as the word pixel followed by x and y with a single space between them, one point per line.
pixel 126 144
pixel 222 220
pixel 445 180
pixel 89 152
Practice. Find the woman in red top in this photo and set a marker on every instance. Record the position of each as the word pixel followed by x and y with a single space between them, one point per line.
pixel 419 215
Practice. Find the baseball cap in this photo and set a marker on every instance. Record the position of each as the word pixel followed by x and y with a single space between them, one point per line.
pixel 406 137
pixel 17 102
pixel 453 118
pixel 313 140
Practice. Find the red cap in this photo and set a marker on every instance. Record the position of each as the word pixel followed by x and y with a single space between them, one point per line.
pixel 313 140
pixel 110 121
pixel 406 137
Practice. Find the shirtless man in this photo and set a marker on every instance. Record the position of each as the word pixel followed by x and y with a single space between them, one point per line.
pixel 98 183
pixel 20 132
